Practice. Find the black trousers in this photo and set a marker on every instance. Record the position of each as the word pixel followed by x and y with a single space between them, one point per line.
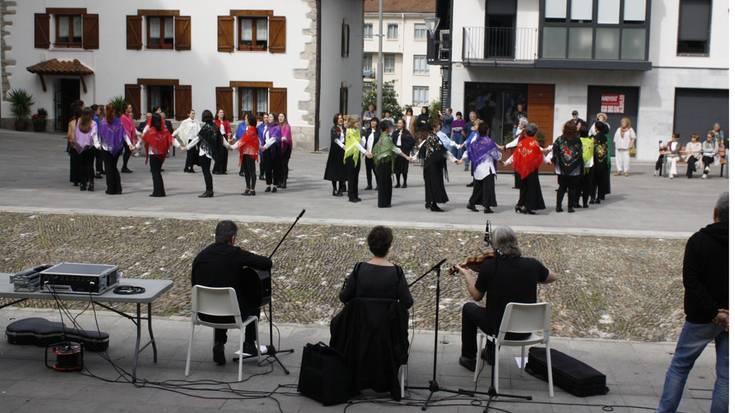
pixel 369 171
pixel 273 169
pixel 567 185
pixel 85 165
pixel 285 158
pixel 220 334
pixel 205 163
pixel 73 164
pixel 474 317
pixel 691 166
pixel 99 161
pixel 114 186
pixel 220 166
pixel 353 179
pixel 483 192
pixel 156 162
pixel 383 179
pixel 261 168
pixel 707 161
pixel 248 169
pixel 584 190
pixel 191 158
pixel 126 156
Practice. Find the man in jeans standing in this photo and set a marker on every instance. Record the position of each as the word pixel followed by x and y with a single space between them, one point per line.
pixel 706 306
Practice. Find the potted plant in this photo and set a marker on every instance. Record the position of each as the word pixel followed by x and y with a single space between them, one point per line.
pixel 119 104
pixel 39 120
pixel 20 104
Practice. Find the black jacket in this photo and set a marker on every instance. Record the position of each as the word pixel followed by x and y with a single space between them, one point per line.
pixel 221 265
pixel 705 273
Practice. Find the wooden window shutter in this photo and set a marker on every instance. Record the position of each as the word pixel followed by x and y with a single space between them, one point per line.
pixel 224 101
pixel 134 30
pixel 278 100
pixel 91 31
pixel 182 98
pixel 226 34
pixel 132 96
pixel 183 32
pixel 41 23
pixel 277 34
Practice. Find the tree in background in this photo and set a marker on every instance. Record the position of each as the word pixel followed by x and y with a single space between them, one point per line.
pixel 390 100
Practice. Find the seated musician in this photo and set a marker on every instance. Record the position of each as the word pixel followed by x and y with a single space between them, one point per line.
pixel 506 278
pixel 377 278
pixel 221 265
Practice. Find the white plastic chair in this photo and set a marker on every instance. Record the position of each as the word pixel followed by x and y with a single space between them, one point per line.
pixel 520 318
pixel 219 302
pixel 402 379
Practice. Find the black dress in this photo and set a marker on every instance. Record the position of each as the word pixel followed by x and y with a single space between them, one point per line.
pixel 435 166
pixel 336 170
pixel 369 164
pixel 530 194
pixel 407 144
pixel 601 168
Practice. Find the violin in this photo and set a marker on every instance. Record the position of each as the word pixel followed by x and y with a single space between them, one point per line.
pixel 473 263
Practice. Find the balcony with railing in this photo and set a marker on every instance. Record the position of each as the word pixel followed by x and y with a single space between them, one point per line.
pixel 500 46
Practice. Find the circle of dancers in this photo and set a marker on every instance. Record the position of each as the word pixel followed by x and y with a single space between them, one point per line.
pixel 263 143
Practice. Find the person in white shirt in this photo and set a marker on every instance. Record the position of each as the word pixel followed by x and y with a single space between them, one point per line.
pixel 210 142
pixel 672 154
pixel 186 132
pixel 709 151
pixel 370 136
pixel 484 154
pixel 624 140
pixel 693 154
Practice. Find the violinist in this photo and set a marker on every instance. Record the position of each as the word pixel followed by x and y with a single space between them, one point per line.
pixel 504 276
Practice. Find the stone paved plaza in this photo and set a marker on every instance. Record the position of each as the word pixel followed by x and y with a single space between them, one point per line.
pixel 617 306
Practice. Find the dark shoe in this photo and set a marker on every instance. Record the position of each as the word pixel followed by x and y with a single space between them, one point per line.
pixel 340 193
pixel 570 210
pixel 530 212
pixel 368 188
pixel 467 363
pixel 82 187
pixel 355 200
pixel 206 194
pixel 488 211
pixel 334 192
pixel 268 189
pixel 252 193
pixel 559 209
pixel 128 171
pixel 577 206
pixel 90 188
pixel 435 208
pixel 397 185
pixel 520 210
pixel 427 206
pixel 246 193
pixel 585 206
pixel 474 209
pixel 218 354
pixel 76 183
pixel 98 176
pixel 156 196
pixel 249 348
pixel 470 185
pixel 404 185
pixel 275 189
pixel 241 174
pixel 283 186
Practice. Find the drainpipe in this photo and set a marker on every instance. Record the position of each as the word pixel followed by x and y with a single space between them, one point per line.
pixel 318 80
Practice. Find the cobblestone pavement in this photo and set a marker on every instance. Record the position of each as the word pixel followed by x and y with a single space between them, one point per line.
pixel 623 288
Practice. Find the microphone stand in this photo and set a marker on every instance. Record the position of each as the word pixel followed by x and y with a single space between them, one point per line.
pixel 433 383
pixel 270 348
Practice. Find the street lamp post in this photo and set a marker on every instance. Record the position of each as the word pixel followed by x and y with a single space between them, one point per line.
pixel 379 75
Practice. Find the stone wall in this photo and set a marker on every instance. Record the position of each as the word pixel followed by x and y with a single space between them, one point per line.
pixel 7 7
pixel 304 136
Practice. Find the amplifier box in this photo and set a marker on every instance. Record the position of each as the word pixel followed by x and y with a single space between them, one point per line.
pixel 75 278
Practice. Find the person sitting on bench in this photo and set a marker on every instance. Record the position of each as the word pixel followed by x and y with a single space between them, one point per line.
pixel 220 265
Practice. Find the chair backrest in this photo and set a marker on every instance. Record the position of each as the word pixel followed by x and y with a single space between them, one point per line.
pixel 215 301
pixel 526 318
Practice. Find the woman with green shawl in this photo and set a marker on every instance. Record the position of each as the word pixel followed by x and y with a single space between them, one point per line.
pixel 384 154
pixel 353 148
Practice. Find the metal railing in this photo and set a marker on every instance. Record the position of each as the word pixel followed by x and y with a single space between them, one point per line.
pixel 507 44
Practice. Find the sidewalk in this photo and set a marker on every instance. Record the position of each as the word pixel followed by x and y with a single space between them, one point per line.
pixel 635 373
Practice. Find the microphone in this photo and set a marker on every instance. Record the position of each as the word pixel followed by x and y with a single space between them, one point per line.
pixel 303 211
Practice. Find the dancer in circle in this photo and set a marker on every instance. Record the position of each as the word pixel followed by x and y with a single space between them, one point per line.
pixel 335 170
pixel 527 158
pixel 84 136
pixel 112 138
pixel 286 148
pixel 210 142
pixel 403 139
pixel 434 157
pixel 353 148
pixel 272 154
pixel 158 141
pixel 249 146
pixel 187 131
pixel 483 154
pixel 384 157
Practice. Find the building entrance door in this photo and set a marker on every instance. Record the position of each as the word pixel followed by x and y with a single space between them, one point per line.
pixel 66 92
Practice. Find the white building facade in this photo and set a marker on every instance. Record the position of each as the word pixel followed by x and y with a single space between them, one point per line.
pixel 662 63
pixel 404 47
pixel 236 55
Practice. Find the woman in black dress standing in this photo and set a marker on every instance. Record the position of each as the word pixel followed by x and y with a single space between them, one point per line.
pixel 335 170
pixel 370 135
pixel 527 158
pixel 403 139
pixel 434 155
pixel 601 166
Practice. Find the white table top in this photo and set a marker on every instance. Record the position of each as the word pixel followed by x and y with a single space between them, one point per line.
pixel 153 290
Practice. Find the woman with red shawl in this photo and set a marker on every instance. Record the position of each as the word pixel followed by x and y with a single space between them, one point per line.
pixel 527 158
pixel 158 141
pixel 249 146
pixel 221 122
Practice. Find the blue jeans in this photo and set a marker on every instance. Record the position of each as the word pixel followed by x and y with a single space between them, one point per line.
pixel 692 341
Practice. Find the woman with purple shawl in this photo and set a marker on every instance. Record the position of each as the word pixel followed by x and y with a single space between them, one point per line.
pixel 483 154
pixel 272 154
pixel 85 134
pixel 111 140
pixel 286 146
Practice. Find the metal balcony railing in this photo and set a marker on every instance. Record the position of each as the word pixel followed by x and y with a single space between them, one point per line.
pixel 506 44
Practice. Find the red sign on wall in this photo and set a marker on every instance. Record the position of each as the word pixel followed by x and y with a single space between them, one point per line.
pixel 612 103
